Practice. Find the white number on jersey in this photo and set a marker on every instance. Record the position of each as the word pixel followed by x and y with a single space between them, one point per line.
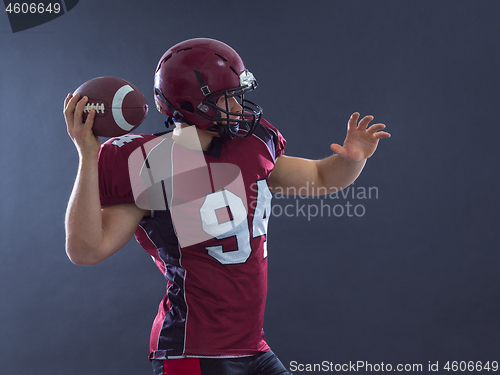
pixel 127 138
pixel 262 212
pixel 237 225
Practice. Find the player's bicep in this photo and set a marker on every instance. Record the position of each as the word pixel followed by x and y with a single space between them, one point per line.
pixel 292 173
pixel 119 223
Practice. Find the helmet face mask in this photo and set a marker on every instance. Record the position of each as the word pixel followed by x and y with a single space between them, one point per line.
pixel 194 75
pixel 227 123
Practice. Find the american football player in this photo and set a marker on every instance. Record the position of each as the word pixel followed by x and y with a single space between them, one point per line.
pixel 198 199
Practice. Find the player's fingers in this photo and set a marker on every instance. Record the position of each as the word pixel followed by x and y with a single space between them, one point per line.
pixel 353 121
pixel 381 135
pixel 375 128
pixel 69 110
pixel 66 101
pixel 69 105
pixel 79 110
pixel 337 149
pixel 89 122
pixel 73 100
pixel 363 123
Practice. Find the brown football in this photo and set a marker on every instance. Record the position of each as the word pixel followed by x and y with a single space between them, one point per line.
pixel 120 107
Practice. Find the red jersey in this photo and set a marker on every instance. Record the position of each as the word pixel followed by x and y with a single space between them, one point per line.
pixel 207 234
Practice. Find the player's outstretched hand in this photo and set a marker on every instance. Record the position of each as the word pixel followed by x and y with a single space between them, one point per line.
pixel 361 140
pixel 81 132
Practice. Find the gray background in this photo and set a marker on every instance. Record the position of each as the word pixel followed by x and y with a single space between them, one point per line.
pixel 415 279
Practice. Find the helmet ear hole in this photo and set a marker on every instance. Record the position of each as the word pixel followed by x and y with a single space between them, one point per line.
pixel 187 106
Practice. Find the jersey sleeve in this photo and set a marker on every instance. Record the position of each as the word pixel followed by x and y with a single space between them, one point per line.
pixel 280 144
pixel 114 181
pixel 279 140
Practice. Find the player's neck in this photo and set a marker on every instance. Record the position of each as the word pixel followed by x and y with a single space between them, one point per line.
pixel 192 137
pixel 206 139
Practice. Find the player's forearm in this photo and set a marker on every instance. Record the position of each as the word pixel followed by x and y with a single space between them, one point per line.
pixel 336 173
pixel 293 175
pixel 84 232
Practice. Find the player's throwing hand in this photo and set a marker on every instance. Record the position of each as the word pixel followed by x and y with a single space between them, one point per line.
pixel 81 132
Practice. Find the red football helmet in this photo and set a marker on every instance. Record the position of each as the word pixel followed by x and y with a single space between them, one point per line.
pixel 193 75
